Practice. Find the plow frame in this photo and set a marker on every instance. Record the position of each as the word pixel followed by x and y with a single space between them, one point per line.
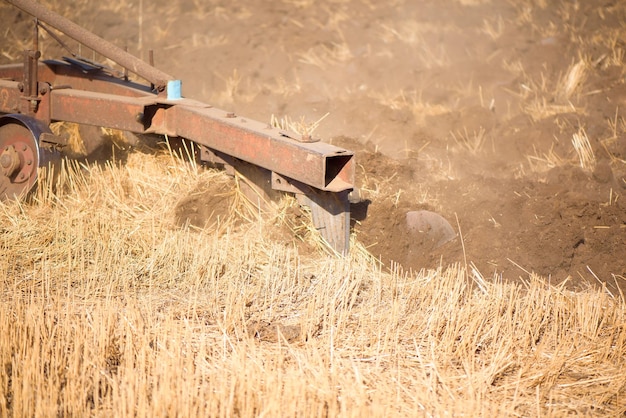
pixel 84 92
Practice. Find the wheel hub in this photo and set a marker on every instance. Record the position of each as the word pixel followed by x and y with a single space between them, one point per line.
pixel 19 159
pixel 16 162
pixel 9 161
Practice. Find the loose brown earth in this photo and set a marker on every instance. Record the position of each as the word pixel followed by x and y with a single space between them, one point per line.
pixel 467 108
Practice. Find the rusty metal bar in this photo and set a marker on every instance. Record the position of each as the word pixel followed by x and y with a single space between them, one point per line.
pixel 98 109
pixel 58 73
pixel 10 96
pixel 330 213
pixel 321 165
pixel 101 46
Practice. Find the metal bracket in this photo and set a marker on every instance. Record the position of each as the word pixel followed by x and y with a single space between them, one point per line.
pixel 330 211
pixel 331 217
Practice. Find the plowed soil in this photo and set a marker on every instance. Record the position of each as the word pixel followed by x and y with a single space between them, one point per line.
pixel 472 109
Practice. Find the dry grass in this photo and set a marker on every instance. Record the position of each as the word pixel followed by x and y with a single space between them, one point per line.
pixel 495 29
pixel 545 161
pixel 543 98
pixel 325 56
pixel 302 126
pixel 584 151
pixel 541 109
pixel 71 132
pixel 573 80
pixel 411 100
pixel 108 308
pixel 414 33
pixel 471 142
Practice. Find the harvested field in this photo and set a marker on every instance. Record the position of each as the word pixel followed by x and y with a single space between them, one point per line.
pixel 143 284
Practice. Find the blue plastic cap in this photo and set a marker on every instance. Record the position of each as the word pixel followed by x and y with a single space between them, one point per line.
pixel 174 88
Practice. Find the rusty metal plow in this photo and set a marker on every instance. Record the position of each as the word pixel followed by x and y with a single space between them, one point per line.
pixel 36 93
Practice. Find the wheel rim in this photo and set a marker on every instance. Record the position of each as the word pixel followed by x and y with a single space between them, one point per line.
pixel 19 159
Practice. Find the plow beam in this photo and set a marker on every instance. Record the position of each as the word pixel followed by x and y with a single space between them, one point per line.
pixel 319 174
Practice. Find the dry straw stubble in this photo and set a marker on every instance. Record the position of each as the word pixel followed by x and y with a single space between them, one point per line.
pixel 108 308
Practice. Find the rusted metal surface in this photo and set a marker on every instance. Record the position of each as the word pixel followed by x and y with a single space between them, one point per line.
pixel 131 108
pixel 10 96
pixel 330 215
pixel 100 109
pixel 320 174
pixel 63 74
pixel 321 165
pixel 21 154
pixel 106 49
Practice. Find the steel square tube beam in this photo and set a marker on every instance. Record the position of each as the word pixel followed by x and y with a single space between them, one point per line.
pixel 318 164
